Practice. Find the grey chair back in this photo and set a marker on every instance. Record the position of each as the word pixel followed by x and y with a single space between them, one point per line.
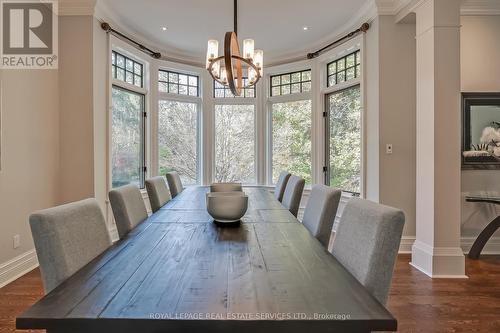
pixel 128 208
pixel 293 194
pixel 67 238
pixel 367 242
pixel 174 183
pixel 279 190
pixel 226 187
pixel 320 212
pixel 158 192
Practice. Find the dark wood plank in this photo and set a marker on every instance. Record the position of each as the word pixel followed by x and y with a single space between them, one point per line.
pixel 268 274
pixel 420 304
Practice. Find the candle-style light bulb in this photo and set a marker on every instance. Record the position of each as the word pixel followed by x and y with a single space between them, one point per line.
pixel 258 60
pixel 248 47
pixel 212 50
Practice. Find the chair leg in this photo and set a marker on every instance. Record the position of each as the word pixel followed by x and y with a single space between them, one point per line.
pixel 483 237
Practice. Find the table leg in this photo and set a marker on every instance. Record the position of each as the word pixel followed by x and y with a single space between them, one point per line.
pixel 484 236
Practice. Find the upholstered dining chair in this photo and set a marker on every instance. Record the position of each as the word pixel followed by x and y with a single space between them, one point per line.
pixel 279 190
pixel 293 194
pixel 158 192
pixel 226 187
pixel 320 212
pixel 174 183
pixel 128 208
pixel 367 243
pixel 67 238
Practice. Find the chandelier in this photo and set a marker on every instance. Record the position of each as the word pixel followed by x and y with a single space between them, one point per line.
pixel 232 68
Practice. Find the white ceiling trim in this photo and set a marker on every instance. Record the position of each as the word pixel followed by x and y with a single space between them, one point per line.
pixel 481 7
pixel 367 13
pixel 76 7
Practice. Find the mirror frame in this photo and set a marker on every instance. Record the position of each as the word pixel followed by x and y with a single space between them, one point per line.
pixel 470 99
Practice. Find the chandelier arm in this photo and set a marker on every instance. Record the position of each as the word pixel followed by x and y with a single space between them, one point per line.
pixel 231 48
pixel 248 62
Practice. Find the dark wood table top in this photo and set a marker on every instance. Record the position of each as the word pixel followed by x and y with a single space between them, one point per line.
pixel 178 272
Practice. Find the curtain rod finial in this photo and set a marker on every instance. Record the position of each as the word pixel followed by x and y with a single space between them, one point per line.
pixel 365 27
pixel 105 26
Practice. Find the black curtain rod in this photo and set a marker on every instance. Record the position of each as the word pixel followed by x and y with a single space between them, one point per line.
pixel 106 27
pixel 364 28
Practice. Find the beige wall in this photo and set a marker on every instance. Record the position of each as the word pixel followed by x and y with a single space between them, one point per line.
pixel 480 69
pixel 397 117
pixel 391 91
pixel 30 153
pixel 76 107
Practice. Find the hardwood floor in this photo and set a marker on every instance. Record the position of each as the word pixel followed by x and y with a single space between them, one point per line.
pixel 419 303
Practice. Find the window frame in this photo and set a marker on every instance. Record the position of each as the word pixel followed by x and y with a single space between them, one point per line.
pixel 167 96
pixel 357 55
pixel 178 72
pixel 119 46
pixel 347 48
pixel 215 101
pixel 143 168
pixel 298 66
pixel 281 85
pixel 115 67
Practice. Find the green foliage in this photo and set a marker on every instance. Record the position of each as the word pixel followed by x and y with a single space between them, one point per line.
pixel 345 139
pixel 291 124
pixel 126 130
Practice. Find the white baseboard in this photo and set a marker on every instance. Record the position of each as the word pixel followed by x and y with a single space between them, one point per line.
pixel 406 244
pixel 492 247
pixel 17 267
pixel 438 262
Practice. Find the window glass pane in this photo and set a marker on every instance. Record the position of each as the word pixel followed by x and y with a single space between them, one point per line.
pixel 289 83
pixel 341 64
pixel 162 86
pixel 127 138
pixel 350 73
pixel 248 92
pixel 173 88
pixel 291 139
pixel 332 80
pixel 129 77
pixel 306 86
pixel 126 69
pixel 183 79
pixel 178 139
pixel 120 74
pixel 350 60
pixel 178 83
pixel 345 139
pixel 276 91
pixel 235 143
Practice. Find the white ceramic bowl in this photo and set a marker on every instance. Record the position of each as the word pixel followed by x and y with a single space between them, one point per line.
pixel 227 207
pixel 226 187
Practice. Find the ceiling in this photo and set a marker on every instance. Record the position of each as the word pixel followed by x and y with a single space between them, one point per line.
pixel 276 25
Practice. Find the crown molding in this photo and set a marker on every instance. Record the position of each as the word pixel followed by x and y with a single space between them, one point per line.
pixel 367 13
pixel 76 7
pixel 480 7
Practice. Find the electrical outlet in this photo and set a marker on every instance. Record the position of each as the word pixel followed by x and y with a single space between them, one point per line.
pixel 16 241
pixel 388 148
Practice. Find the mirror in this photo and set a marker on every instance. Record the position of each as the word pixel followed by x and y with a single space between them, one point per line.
pixel 481 131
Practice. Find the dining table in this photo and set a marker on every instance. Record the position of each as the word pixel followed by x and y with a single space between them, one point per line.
pixel 179 272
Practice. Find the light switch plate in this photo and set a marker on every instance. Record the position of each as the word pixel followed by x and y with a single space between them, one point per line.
pixel 16 241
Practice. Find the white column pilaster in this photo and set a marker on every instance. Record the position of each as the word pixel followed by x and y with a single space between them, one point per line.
pixel 436 250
